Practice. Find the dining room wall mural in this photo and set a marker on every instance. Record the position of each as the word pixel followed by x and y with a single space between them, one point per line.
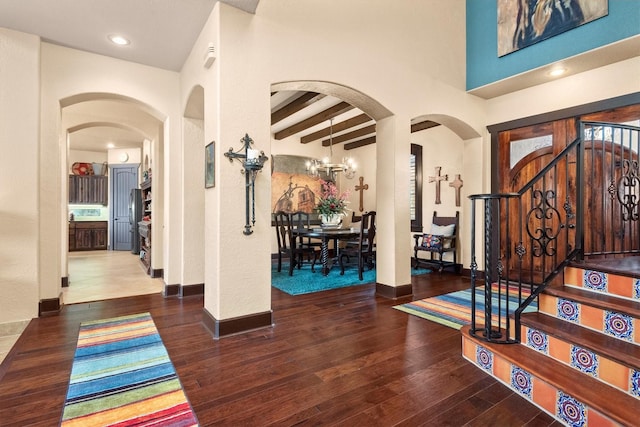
pixel 526 22
pixel 292 189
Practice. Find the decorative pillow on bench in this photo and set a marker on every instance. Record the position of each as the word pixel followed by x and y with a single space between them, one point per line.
pixel 445 231
pixel 432 242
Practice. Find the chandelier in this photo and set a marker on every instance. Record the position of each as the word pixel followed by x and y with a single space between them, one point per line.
pixel 327 166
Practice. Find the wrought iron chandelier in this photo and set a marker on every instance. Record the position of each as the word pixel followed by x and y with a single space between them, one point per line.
pixel 348 166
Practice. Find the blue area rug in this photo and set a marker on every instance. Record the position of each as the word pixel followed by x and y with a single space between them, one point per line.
pixel 304 281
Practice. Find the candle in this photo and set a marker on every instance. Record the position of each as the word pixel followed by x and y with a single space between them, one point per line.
pixel 252 154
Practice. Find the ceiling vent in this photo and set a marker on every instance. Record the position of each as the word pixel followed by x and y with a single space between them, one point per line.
pixel 209 56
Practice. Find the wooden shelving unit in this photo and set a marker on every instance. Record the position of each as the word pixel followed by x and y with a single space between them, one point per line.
pixel 144 226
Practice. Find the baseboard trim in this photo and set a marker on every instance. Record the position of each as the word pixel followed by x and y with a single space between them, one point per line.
pixel 466 272
pixel 223 328
pixel 393 292
pixel 49 306
pixel 65 282
pixel 154 273
pixel 171 290
pixel 190 290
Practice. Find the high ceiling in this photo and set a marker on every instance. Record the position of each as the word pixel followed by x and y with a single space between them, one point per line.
pixel 162 33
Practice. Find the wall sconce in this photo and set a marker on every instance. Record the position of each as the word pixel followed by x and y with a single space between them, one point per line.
pixel 252 162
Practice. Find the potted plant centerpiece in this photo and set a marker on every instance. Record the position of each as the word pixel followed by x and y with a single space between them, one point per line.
pixel 332 206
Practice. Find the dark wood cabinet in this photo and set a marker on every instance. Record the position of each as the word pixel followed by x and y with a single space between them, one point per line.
pixel 72 236
pixel 87 235
pixel 89 189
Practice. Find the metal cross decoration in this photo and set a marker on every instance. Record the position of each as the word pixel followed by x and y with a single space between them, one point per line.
pixel 437 180
pixel 361 189
pixel 457 184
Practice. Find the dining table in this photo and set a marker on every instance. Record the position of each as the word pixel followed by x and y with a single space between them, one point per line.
pixel 326 234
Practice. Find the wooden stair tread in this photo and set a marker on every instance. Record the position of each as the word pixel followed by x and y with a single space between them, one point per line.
pixel 596 299
pixel 619 406
pixel 621 351
pixel 625 266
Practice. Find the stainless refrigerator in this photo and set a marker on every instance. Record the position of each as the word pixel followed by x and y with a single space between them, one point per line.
pixel 135 216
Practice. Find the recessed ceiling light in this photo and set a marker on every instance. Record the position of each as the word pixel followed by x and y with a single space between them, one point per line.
pixel 111 145
pixel 119 40
pixel 557 72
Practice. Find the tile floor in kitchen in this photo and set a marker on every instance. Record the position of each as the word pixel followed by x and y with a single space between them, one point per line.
pixel 93 276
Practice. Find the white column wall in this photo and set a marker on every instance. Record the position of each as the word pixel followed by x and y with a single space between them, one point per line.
pixel 19 175
pixel 393 255
pixel 193 209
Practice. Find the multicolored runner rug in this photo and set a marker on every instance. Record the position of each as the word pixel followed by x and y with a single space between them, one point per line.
pixel 122 376
pixel 454 309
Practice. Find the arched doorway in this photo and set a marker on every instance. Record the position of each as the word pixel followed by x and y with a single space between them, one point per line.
pixel 89 122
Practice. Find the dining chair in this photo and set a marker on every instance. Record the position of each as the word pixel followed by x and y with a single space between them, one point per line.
pixel 287 243
pixel 364 251
pixel 302 220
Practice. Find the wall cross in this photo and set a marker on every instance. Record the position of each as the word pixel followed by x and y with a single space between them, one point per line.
pixel 361 189
pixel 437 180
pixel 457 184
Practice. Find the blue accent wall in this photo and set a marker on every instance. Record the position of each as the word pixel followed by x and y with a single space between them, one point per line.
pixel 485 67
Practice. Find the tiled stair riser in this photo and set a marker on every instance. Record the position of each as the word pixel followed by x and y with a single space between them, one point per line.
pixel 596 281
pixel 555 402
pixel 583 360
pixel 613 324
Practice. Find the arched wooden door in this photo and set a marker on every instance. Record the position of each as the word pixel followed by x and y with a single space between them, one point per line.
pixel 524 152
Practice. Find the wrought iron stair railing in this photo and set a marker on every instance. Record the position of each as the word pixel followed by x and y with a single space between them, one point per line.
pixel 584 203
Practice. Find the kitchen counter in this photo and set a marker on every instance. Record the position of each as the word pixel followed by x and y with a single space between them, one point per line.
pixel 87 235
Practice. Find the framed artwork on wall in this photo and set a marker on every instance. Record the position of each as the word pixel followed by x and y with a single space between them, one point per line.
pixel 292 189
pixel 526 22
pixel 209 165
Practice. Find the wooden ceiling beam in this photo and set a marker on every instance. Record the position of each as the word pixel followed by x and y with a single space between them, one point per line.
pixel 337 127
pixel 322 116
pixel 360 143
pixel 427 124
pixel 296 105
pixel 351 135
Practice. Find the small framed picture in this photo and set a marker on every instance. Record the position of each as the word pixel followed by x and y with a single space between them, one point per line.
pixel 209 165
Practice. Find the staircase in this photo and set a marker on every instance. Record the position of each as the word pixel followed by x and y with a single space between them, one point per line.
pixel 578 356
pixel 579 359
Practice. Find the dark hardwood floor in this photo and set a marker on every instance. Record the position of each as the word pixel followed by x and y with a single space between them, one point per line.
pixel 341 357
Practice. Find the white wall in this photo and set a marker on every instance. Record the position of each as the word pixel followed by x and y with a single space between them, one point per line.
pixel 19 175
pixel 66 73
pixel 382 66
pixel 606 82
pixel 441 147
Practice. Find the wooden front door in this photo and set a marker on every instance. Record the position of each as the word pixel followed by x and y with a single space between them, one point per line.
pixel 531 227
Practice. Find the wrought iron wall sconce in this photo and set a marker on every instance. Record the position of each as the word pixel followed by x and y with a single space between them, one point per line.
pixel 252 162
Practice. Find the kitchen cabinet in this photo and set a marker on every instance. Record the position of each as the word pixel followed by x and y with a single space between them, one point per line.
pixel 89 189
pixel 87 235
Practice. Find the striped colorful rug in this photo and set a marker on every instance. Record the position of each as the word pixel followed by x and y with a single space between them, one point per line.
pixel 122 376
pixel 454 309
